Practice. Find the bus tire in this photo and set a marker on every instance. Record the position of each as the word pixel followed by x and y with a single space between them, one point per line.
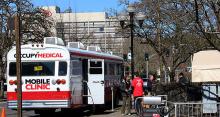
pixel 98 109
pixel 93 109
pixel 44 112
pixel 116 100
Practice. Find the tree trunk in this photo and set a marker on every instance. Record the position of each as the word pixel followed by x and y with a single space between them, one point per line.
pixel 172 75
pixel 1 80
pixel 2 90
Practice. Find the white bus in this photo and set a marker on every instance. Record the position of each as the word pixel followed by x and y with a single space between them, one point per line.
pixel 55 76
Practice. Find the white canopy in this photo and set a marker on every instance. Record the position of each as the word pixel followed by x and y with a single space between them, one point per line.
pixel 206 66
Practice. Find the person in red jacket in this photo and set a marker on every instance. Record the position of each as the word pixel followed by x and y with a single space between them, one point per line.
pixel 137 85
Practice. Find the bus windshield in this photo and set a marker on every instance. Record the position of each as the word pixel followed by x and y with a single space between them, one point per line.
pixel 33 68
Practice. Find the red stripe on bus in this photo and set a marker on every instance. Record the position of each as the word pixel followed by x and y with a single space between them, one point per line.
pixel 41 95
pixel 94 56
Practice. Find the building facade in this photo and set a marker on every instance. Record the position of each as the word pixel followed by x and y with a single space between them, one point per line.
pixel 91 28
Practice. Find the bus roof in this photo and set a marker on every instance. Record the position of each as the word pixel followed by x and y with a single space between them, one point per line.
pixel 43 51
pixel 93 54
pixel 40 52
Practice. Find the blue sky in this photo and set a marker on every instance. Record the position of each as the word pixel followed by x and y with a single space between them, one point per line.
pixel 81 5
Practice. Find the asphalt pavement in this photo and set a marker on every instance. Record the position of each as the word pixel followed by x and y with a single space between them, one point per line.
pixel 70 113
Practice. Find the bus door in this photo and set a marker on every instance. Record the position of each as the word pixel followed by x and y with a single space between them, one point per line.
pixel 96 81
pixel 76 81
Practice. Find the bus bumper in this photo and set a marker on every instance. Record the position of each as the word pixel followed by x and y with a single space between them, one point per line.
pixel 40 104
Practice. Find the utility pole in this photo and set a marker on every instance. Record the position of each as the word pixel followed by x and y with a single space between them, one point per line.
pixel 147 69
pixel 131 14
pixel 158 37
pixel 18 60
pixel 146 57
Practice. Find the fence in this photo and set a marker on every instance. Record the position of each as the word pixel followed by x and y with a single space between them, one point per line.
pixel 166 108
pixel 194 110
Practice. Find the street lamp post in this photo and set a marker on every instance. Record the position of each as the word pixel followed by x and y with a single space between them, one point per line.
pixel 140 18
pixel 131 14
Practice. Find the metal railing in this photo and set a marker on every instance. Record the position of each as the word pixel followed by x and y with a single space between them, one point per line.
pixel 159 105
pixel 191 109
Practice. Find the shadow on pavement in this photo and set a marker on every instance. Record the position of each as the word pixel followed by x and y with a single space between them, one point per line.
pixel 85 112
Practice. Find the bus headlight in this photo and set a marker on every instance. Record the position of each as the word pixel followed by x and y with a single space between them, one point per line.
pixel 63 81
pixel 58 81
pixel 53 82
pixel 11 82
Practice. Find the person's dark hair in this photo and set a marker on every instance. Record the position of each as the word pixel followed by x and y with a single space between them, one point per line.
pixel 127 73
pixel 181 74
pixel 137 74
pixel 182 79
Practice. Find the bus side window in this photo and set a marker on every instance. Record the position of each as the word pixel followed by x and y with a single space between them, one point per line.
pixel 62 68
pixel 106 69
pixel 111 69
pixel 118 69
pixel 76 67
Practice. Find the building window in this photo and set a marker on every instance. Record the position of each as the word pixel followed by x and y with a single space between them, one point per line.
pixel 101 29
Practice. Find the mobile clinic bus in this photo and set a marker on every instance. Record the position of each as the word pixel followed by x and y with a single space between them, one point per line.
pixel 55 76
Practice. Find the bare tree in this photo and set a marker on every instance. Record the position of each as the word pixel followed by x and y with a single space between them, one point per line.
pixel 206 14
pixel 171 31
pixel 36 24
pixel 34 21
